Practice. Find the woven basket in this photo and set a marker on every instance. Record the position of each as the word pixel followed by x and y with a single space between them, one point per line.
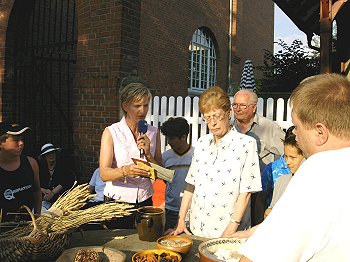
pixel 38 245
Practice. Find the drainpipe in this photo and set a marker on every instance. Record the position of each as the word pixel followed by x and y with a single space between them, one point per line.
pixel 230 46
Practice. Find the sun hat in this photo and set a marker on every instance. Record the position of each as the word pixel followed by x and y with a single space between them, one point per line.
pixel 47 148
pixel 12 129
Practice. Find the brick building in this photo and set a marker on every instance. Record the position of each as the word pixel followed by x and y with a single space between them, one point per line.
pixel 62 62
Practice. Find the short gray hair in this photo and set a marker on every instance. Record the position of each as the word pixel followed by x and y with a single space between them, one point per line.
pixel 253 96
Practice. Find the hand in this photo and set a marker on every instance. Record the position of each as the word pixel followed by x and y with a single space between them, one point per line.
pixel 45 191
pixel 230 230
pixel 169 232
pixel 245 233
pixel 181 227
pixel 267 212
pixel 48 195
pixel 135 171
pixel 144 143
pixel 240 234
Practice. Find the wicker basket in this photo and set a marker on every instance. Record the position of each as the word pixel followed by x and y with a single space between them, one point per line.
pixel 38 245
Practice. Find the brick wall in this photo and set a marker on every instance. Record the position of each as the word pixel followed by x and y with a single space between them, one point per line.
pixel 255 32
pixel 107 50
pixel 167 28
pixel 166 31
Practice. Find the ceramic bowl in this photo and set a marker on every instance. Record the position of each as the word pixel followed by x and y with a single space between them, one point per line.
pixel 137 257
pixel 180 244
pixel 220 249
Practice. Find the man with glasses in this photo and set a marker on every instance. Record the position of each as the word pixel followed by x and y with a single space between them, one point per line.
pixel 268 135
pixel 19 175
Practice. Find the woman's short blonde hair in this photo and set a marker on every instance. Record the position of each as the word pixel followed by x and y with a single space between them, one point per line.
pixel 214 98
pixel 133 92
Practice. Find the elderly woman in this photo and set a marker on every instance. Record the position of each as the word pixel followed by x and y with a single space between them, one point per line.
pixel 223 174
pixel 122 141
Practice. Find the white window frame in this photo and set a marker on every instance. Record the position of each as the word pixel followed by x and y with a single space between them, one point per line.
pixel 202 62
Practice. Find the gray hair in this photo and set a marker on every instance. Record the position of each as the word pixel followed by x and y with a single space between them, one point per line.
pixel 253 96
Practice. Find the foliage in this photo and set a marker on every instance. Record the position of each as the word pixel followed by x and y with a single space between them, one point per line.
pixel 283 71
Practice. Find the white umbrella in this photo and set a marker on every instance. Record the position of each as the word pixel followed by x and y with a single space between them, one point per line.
pixel 247 80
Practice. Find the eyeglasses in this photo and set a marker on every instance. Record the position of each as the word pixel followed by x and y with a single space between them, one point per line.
pixel 216 118
pixel 241 106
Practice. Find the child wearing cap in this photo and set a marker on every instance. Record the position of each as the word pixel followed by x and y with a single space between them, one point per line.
pixel 19 175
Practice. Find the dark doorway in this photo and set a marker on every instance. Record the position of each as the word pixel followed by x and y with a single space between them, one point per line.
pixel 40 62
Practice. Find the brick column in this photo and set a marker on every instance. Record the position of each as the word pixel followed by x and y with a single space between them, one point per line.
pixel 107 50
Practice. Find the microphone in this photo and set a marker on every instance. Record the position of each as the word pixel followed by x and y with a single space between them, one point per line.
pixel 142 128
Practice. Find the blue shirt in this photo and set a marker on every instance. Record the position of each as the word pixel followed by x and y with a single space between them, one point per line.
pixel 270 174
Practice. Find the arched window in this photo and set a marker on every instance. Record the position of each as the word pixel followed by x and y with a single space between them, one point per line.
pixel 202 62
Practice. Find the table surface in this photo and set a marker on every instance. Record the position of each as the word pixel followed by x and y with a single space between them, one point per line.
pixel 129 244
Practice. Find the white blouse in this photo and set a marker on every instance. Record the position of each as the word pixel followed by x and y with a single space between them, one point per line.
pixel 137 189
pixel 220 172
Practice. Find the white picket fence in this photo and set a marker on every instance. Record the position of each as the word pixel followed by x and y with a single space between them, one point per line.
pixel 164 107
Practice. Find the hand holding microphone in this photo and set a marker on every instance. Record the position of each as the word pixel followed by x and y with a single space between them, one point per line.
pixel 142 129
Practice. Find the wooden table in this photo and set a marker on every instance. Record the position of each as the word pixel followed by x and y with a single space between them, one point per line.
pixel 128 245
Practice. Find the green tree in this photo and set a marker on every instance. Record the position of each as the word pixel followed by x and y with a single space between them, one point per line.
pixel 283 71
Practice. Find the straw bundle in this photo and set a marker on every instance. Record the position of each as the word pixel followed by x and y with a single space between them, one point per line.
pixel 47 236
pixel 65 213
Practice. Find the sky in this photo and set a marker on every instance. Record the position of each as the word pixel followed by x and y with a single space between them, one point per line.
pixel 285 29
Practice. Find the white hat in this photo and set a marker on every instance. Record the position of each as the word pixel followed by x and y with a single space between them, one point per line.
pixel 47 148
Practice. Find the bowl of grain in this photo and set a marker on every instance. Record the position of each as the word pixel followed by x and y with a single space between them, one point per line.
pixel 180 244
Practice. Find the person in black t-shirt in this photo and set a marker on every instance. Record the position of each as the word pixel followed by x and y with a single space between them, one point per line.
pixel 19 175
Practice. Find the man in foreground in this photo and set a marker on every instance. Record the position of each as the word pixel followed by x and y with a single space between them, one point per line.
pixel 311 220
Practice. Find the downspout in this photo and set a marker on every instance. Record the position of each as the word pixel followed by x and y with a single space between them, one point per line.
pixel 230 46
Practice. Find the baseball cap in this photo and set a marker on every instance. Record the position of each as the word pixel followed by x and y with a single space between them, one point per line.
pixel 11 129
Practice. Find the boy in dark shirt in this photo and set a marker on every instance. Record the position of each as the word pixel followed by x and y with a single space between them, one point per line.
pixel 19 174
